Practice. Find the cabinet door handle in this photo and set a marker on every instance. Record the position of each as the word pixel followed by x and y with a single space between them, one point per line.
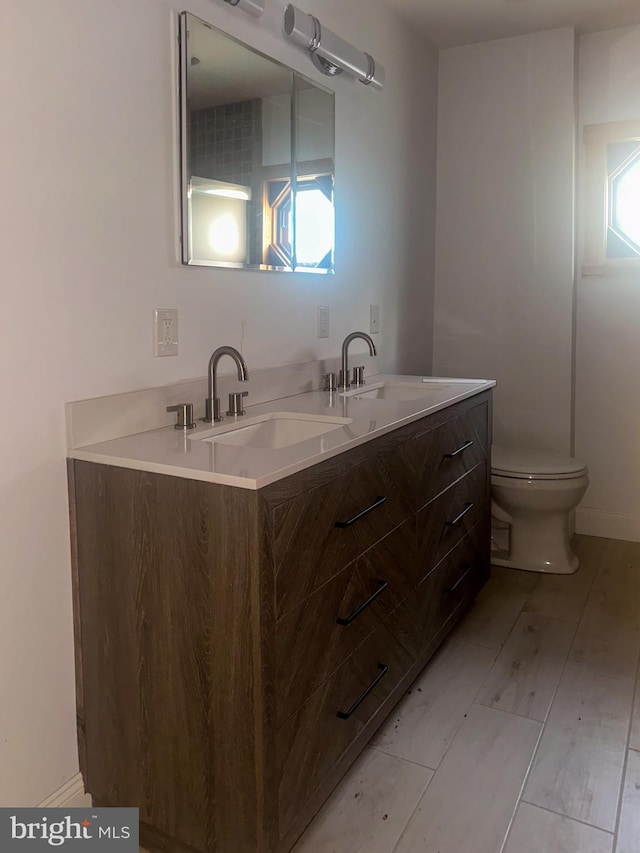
pixel 461 449
pixel 344 715
pixel 378 502
pixel 382 585
pixel 467 508
pixel 452 589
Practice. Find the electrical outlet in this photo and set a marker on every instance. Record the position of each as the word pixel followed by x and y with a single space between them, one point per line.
pixel 165 330
pixel 374 319
pixel 323 321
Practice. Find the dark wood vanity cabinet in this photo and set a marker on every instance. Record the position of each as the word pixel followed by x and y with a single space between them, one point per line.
pixel 237 649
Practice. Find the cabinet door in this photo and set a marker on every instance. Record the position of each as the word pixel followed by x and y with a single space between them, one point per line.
pixel 449 517
pixel 449 451
pixel 313 639
pixel 453 583
pixel 313 739
pixel 319 532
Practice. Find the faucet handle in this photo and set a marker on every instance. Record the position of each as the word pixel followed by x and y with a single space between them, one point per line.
pixel 185 415
pixel 358 376
pixel 329 382
pixel 235 403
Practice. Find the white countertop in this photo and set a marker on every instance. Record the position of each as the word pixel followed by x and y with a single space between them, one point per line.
pixel 195 454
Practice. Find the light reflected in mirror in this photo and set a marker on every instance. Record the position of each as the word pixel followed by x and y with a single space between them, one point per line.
pixel 257 158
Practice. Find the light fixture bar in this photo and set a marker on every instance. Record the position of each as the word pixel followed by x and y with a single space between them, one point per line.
pixel 329 53
pixel 253 7
pixel 221 188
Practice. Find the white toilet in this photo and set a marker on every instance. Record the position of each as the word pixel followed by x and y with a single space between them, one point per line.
pixel 533 494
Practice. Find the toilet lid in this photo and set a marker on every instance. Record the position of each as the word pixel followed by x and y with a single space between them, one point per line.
pixel 534 464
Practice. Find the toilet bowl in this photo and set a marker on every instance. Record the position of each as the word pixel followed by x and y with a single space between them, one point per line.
pixel 533 494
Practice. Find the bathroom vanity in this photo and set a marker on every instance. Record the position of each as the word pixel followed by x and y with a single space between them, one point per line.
pixel 239 641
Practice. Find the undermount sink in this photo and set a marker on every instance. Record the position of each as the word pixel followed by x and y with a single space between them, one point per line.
pixel 275 430
pixel 398 391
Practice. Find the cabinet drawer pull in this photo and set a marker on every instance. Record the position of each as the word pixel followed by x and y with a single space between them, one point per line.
pixel 452 589
pixel 467 508
pixel 461 449
pixel 382 585
pixel 344 715
pixel 378 502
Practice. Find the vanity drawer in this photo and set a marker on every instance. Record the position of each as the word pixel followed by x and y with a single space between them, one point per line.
pixel 450 450
pixel 313 639
pixel 453 583
pixel 313 739
pixel 448 519
pixel 319 532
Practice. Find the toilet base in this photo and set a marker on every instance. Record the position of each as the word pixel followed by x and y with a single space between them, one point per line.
pixel 534 542
pixel 569 568
pixel 539 529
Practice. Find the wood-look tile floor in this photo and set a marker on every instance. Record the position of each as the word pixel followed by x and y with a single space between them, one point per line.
pixel 520 736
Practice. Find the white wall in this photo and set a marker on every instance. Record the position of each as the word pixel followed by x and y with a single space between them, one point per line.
pixel 608 318
pixel 88 251
pixel 276 130
pixel 504 257
pixel 315 139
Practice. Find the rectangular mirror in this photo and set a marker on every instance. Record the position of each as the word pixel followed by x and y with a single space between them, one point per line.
pixel 257 158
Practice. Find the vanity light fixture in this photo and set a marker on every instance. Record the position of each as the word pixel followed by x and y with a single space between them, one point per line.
pixel 221 188
pixel 243 195
pixel 329 53
pixel 253 7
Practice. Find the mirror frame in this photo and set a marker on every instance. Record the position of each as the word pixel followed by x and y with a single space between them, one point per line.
pixel 328 185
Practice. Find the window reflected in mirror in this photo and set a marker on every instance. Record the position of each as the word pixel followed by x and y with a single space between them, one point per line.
pixel 301 223
pixel 257 158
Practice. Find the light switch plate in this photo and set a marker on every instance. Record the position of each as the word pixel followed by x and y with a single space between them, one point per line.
pixel 374 319
pixel 323 321
pixel 165 331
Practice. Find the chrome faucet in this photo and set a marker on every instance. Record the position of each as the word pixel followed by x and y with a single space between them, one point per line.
pixel 212 403
pixel 343 380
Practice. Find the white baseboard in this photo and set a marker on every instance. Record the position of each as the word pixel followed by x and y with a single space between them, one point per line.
pixel 611 525
pixel 70 795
